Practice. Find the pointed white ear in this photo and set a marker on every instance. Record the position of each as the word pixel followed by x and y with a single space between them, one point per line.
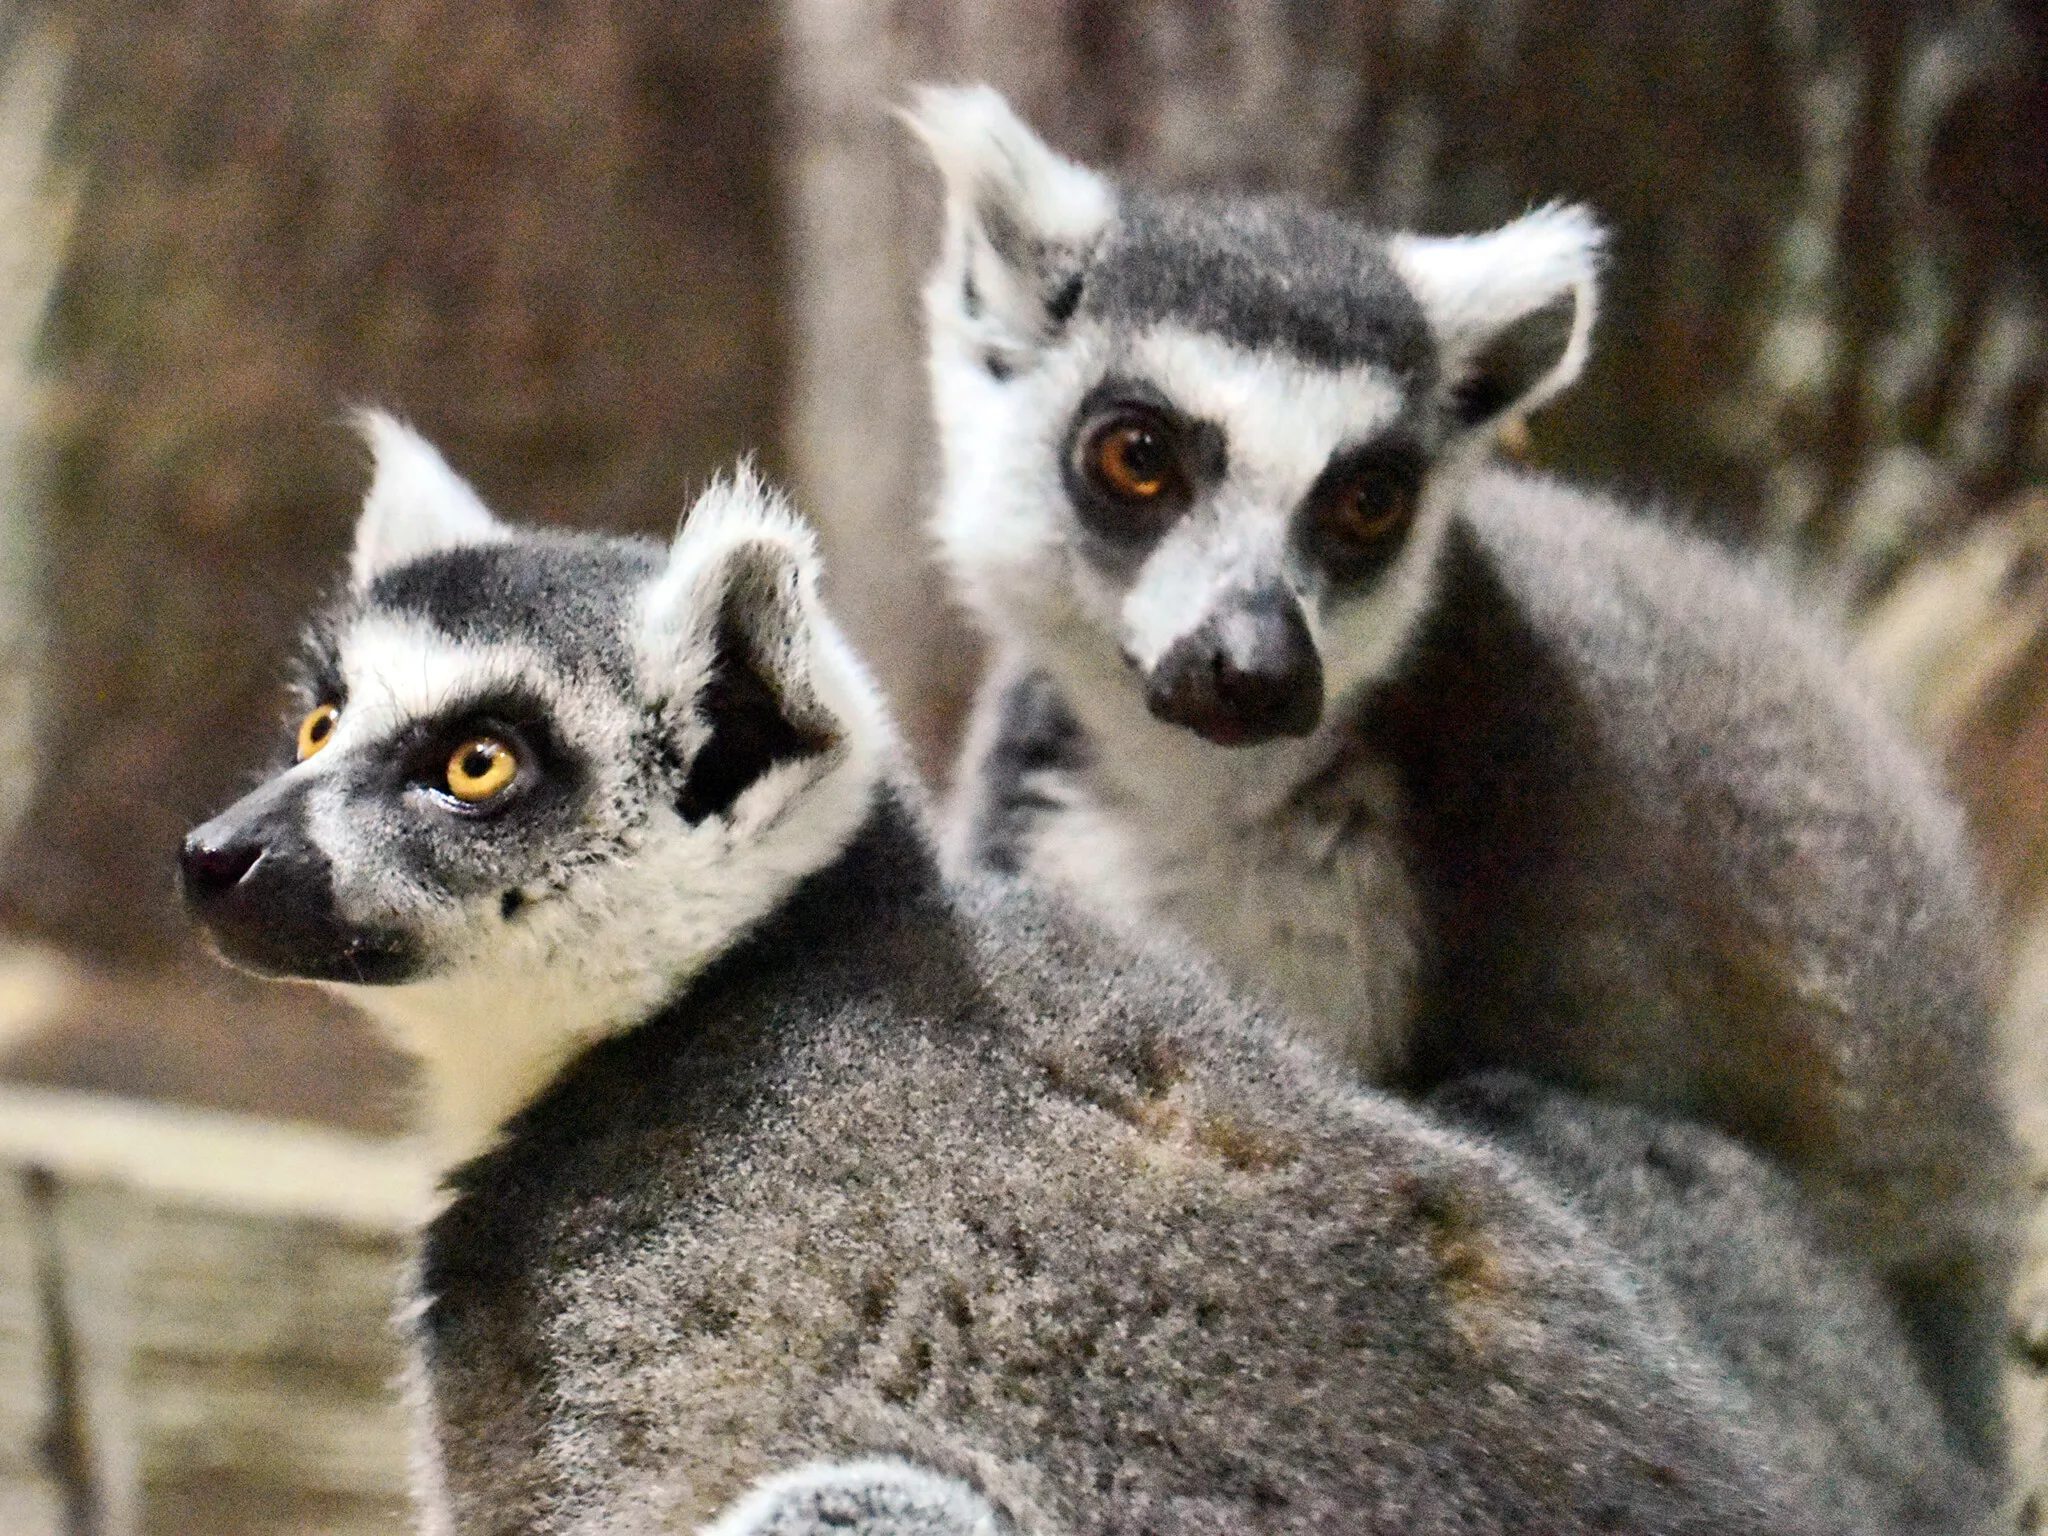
pixel 733 637
pixel 1512 309
pixel 741 544
pixel 416 504
pixel 1020 217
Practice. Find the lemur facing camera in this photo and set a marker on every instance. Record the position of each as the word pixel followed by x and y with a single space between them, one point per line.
pixel 802 1190
pixel 1472 769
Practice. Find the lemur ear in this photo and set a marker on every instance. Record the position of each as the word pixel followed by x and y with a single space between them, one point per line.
pixel 1020 219
pixel 732 631
pixel 416 504
pixel 1512 309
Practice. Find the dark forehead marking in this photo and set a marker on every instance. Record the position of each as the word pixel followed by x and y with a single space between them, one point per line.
pixel 566 595
pixel 1263 275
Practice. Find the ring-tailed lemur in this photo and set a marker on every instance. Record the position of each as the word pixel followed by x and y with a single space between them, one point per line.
pixel 940 1210
pixel 1475 770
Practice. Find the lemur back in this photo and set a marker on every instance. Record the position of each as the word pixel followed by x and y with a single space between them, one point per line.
pixel 938 1177
pixel 1473 770
pixel 799 1187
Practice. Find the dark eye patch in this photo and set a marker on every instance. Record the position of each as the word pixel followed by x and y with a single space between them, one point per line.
pixel 549 773
pixel 1355 518
pixel 1133 462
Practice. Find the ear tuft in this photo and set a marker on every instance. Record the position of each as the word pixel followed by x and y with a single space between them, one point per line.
pixel 1020 217
pixel 740 509
pixel 416 504
pixel 1512 309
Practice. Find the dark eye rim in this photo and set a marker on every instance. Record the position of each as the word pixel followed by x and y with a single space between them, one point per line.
pixel 1094 443
pixel 1398 466
pixel 329 713
pixel 434 781
pixel 1191 446
pixel 1396 492
pixel 547 770
pixel 503 742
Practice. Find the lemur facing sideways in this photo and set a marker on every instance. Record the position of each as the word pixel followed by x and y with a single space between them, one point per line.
pixel 940 1211
pixel 1472 769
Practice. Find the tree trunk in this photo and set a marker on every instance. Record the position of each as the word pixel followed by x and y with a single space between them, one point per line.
pixel 35 210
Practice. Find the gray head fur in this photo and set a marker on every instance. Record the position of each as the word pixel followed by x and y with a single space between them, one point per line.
pixel 1308 392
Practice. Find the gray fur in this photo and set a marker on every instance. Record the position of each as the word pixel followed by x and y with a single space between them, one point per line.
pixel 1722 1239
pixel 1666 852
pixel 1585 799
pixel 957 1181
pixel 1263 275
pixel 937 1208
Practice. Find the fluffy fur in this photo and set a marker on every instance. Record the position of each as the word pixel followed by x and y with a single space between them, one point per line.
pixel 937 1175
pixel 1582 797
pixel 842 1197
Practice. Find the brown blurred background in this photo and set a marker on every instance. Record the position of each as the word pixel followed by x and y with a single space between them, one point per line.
pixel 596 251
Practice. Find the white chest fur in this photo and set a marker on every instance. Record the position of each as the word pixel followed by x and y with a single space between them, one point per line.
pixel 1284 865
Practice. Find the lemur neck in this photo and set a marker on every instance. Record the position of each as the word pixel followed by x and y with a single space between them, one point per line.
pixel 489 1040
pixel 486 1046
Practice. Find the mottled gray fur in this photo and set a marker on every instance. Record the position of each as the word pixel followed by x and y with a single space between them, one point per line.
pixel 1267 275
pixel 940 1176
pixel 1581 796
pixel 938 1209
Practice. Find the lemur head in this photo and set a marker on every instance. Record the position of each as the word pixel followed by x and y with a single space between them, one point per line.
pixel 538 779
pixel 1214 443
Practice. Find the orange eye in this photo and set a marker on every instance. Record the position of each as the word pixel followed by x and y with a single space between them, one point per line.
pixel 1133 460
pixel 1369 509
pixel 480 768
pixel 317 729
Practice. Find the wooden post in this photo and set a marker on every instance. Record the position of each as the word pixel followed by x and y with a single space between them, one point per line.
pixel 195 1322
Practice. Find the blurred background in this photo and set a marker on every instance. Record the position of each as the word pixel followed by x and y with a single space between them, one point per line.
pixel 595 252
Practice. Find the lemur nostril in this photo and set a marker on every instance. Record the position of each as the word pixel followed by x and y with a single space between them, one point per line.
pixel 214 871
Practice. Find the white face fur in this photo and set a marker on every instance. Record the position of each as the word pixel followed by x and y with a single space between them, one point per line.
pixel 1059 301
pixel 689 737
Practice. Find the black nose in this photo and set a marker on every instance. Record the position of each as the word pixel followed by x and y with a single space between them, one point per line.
pixel 210 872
pixel 1248 674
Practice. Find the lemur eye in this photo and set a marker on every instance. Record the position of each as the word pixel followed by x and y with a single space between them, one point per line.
pixel 1370 508
pixel 317 729
pixel 1355 519
pixel 481 767
pixel 1133 464
pixel 1132 458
